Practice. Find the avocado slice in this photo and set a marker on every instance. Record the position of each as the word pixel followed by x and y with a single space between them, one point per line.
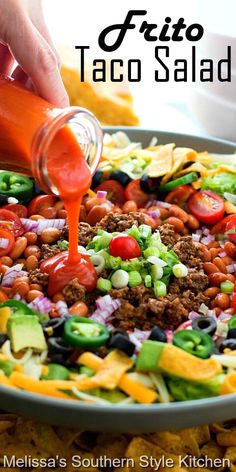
pixel 24 332
pixel 149 356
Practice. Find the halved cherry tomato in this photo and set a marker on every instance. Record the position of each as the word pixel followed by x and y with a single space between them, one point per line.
pixel 134 192
pixel 11 221
pixel 40 202
pixel 206 206
pixel 231 228
pixel 7 242
pixel 124 246
pixel 115 191
pixel 19 210
pixel 233 302
pixel 220 227
pixel 180 195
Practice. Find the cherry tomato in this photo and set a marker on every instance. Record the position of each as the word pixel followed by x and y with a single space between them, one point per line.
pixel 124 246
pixel 134 192
pixel 40 202
pixel 19 210
pixel 233 303
pixel 206 206
pixel 231 228
pixel 220 227
pixel 180 195
pixel 6 235
pixel 11 221
pixel 115 191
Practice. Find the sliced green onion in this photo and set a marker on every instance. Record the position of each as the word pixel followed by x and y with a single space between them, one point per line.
pixel 186 179
pixel 104 285
pixel 230 197
pixel 99 262
pixel 113 263
pixel 151 251
pixel 120 279
pixel 156 272
pixel 160 289
pixel 148 281
pixel 227 287
pixel 180 270
pixel 134 278
pixel 156 261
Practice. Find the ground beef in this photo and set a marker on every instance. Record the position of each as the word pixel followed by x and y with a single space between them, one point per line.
pixel 74 292
pixel 86 233
pixel 168 235
pixel 115 222
pixel 48 251
pixel 37 277
pixel 196 281
pixel 189 253
pixel 135 295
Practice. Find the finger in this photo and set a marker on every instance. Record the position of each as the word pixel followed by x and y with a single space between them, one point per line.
pixel 39 62
pixel 20 75
pixel 6 60
pixel 37 18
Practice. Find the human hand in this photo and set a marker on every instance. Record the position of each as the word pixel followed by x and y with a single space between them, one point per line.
pixel 24 38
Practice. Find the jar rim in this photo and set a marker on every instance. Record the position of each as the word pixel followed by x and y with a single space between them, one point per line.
pixel 48 131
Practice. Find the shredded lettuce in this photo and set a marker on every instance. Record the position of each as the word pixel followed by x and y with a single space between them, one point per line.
pixel 220 183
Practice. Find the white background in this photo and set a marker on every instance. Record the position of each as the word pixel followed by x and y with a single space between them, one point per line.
pixel 163 106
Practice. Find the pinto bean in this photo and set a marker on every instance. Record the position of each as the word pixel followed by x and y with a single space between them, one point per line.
pixel 220 264
pixel 177 223
pixel 210 268
pixel 222 300
pixel 129 206
pixel 31 262
pixel 217 278
pixel 19 247
pixel 211 292
pixel 230 249
pixel 192 222
pixel 50 235
pixel 179 213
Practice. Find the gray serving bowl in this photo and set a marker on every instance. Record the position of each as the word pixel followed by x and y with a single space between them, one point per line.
pixel 132 418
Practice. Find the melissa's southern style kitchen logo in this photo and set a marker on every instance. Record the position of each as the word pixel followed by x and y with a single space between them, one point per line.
pixel 164 68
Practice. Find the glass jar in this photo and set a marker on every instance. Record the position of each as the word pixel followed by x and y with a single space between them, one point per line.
pixel 29 126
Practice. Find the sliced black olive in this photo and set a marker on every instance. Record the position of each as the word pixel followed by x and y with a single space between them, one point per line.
pixel 54 324
pixel 120 177
pixel 122 343
pixel 60 359
pixel 231 333
pixel 97 179
pixel 116 331
pixel 205 323
pixel 3 199
pixel 157 334
pixel 149 185
pixel 37 189
pixel 228 344
pixel 58 346
pixel 188 164
pixel 3 339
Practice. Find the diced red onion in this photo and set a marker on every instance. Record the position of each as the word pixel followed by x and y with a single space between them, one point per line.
pixel 224 316
pixel 41 304
pixel 18 297
pixel 57 223
pixel 62 308
pixel 199 232
pixel 158 203
pixel 231 268
pixel 185 325
pixel 154 213
pixel 196 237
pixel 105 308
pixel 193 314
pixel 135 341
pixel 212 313
pixel 101 194
pixel 205 231
pixel 222 254
pixel 208 239
pixel 169 335
pixel 29 225
pixel 4 242
pixel 11 274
